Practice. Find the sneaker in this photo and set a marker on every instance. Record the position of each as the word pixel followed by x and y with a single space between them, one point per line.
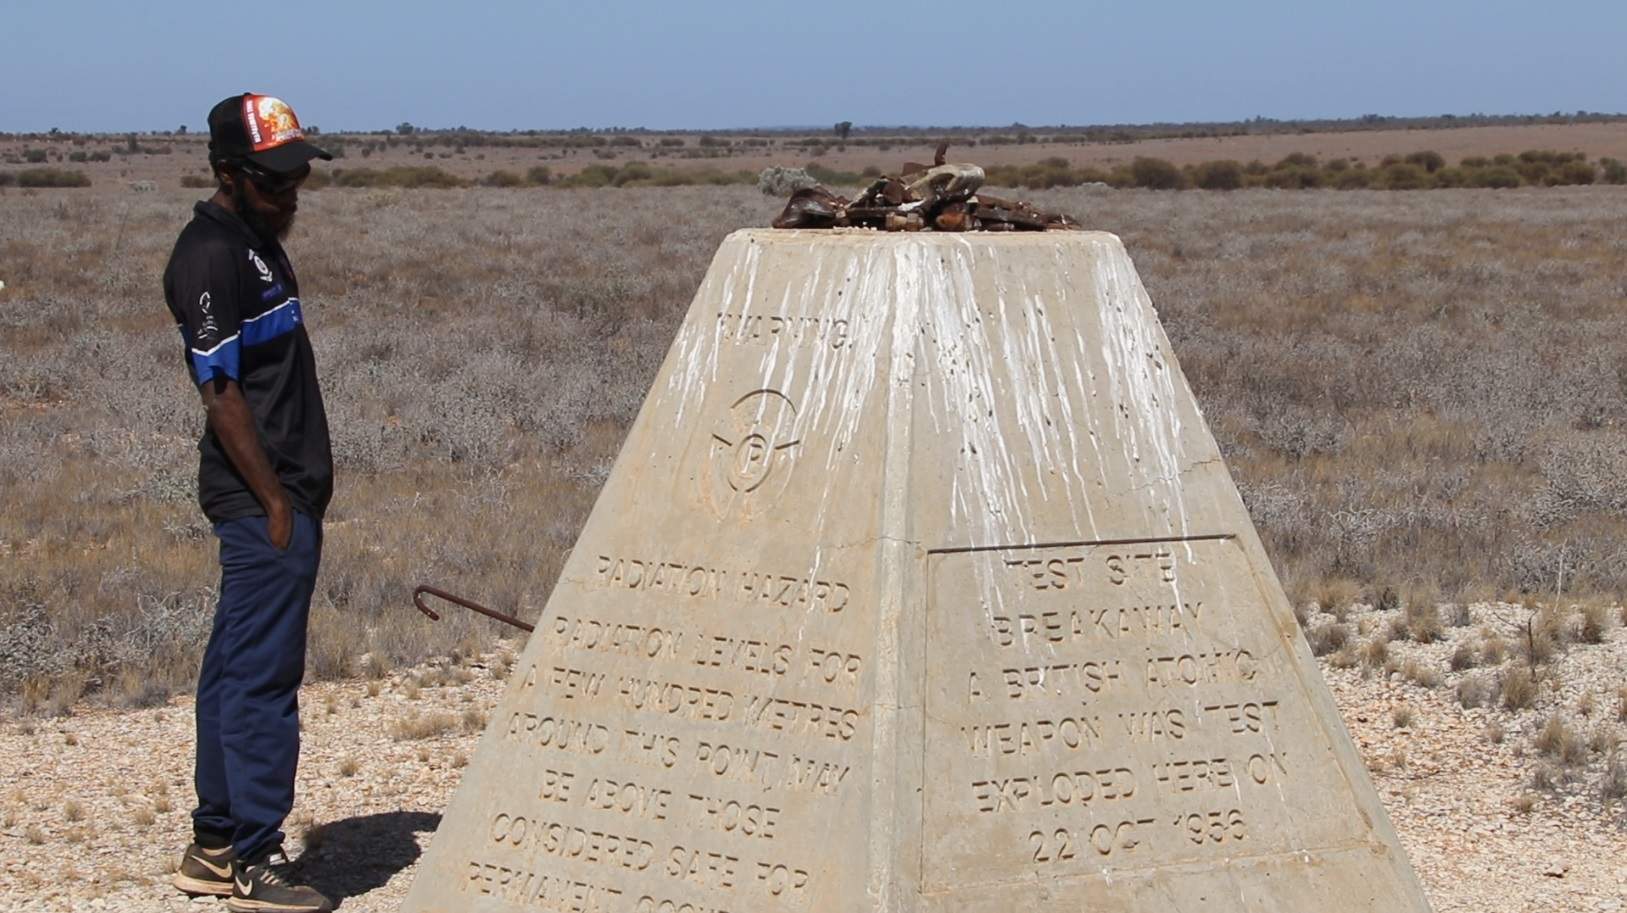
pixel 265 886
pixel 205 871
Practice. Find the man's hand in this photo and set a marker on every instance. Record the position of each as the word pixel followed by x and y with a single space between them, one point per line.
pixel 280 526
pixel 233 424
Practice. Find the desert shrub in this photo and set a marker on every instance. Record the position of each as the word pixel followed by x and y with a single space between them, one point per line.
pixel 1402 716
pixel 1429 161
pixel 1475 691
pixel 1296 160
pixel 713 142
pixel 1355 179
pixel 1385 599
pixel 671 142
pixel 1423 622
pixel 831 177
pixel 626 141
pixel 502 178
pixel 196 180
pixel 1293 178
pixel 1612 171
pixel 34 156
pixel 7 179
pixel 1495 176
pixel 1573 173
pixel 1376 652
pixel 1463 657
pixel 1156 174
pixel 1402 176
pixel 1614 784
pixel 778 181
pixel 1559 741
pixel 1594 624
pixel 1328 638
pixel 407 176
pixel 52 177
pixel 78 156
pixel 539 175
pixel 1419 674
pixel 1518 690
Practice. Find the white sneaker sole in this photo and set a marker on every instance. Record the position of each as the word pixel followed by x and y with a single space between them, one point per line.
pixel 249 905
pixel 186 884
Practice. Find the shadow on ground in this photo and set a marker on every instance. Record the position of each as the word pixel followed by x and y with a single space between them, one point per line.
pixel 361 854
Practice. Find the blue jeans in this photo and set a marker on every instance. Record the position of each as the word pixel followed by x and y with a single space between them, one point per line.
pixel 248 689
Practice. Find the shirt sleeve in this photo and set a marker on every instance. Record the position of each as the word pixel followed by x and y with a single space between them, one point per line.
pixel 206 296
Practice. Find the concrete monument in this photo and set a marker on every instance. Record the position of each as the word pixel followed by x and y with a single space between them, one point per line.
pixel 919 585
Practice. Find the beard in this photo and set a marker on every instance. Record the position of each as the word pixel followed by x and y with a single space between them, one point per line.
pixel 268 229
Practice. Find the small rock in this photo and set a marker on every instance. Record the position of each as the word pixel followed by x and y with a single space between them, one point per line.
pixel 1556 869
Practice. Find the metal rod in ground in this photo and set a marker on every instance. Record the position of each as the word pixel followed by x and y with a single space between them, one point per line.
pixel 418 600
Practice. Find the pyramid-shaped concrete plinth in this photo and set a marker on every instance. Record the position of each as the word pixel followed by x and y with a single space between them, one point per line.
pixel 919 585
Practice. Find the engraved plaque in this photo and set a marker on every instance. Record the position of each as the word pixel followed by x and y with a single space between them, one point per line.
pixel 919 585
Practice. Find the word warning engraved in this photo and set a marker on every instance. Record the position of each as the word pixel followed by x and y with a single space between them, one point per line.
pixel 1109 707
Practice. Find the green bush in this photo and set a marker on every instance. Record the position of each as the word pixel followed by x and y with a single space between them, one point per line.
pixel 52 177
pixel 1614 171
pixel 1222 175
pixel 34 156
pixel 539 175
pixel 1156 174
pixel 1296 160
pixel 672 141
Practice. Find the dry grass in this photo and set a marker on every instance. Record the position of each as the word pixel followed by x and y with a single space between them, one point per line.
pixel 416 726
pixel 1519 689
pixel 1312 327
pixel 1559 741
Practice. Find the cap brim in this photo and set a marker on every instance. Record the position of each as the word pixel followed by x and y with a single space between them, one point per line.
pixel 288 156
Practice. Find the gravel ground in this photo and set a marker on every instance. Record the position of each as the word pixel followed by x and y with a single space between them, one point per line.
pixel 104 794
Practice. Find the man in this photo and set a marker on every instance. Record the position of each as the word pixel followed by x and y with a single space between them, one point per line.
pixel 264 481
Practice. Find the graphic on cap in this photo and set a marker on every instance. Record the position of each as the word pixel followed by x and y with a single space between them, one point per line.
pixel 270 121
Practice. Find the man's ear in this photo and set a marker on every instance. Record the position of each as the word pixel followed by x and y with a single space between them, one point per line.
pixel 226 177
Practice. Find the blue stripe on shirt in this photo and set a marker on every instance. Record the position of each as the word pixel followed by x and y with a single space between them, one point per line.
pixel 276 322
pixel 224 358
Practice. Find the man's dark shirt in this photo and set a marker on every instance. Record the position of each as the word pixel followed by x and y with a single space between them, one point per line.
pixel 236 300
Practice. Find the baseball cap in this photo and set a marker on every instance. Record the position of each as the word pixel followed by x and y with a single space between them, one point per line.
pixel 262 130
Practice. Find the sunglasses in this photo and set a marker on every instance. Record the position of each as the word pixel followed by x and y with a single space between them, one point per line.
pixel 275 184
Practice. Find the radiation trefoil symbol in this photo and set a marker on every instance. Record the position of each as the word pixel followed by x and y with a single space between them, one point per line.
pixel 753 448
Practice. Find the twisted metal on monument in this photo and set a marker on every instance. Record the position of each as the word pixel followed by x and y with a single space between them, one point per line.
pixel 919 585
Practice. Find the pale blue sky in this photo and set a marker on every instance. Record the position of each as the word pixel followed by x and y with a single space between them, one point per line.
pixel 368 64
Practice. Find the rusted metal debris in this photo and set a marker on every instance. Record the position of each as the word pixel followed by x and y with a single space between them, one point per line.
pixel 939 197
pixel 426 590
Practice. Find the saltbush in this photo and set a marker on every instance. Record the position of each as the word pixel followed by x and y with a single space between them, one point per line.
pixel 52 177
pixel 1156 174
pixel 1222 175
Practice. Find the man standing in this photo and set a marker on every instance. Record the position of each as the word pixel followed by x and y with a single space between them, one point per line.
pixel 264 481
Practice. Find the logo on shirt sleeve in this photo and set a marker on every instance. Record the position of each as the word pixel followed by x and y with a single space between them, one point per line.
pixel 209 329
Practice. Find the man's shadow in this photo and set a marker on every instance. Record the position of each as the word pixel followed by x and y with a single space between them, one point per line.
pixel 361 854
